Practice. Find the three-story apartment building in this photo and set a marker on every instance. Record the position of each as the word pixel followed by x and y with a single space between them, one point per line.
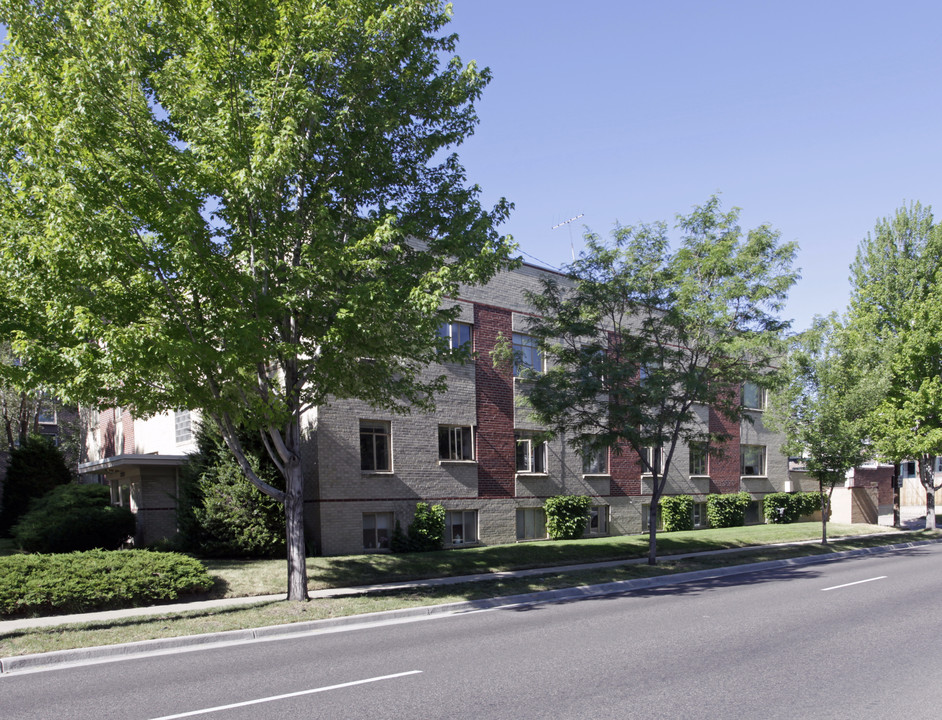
pixel 479 454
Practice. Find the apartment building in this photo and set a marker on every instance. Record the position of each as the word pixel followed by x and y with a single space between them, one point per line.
pixel 478 454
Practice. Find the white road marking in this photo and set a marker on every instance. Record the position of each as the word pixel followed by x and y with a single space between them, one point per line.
pixel 287 695
pixel 835 587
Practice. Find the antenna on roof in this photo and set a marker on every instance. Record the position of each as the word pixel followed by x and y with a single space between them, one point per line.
pixel 572 248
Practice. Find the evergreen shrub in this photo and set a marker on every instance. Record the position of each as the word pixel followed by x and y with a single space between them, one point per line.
pixel 71 518
pixel 96 580
pixel 222 514
pixel 34 468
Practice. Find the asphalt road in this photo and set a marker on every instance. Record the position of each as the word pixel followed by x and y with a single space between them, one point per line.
pixel 857 638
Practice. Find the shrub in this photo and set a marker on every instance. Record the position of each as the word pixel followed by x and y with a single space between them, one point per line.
pixel 783 508
pixel 426 531
pixel 728 510
pixel 221 513
pixel 677 512
pixel 35 468
pixel 74 517
pixel 567 516
pixel 96 580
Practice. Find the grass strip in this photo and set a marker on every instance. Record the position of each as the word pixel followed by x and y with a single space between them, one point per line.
pixel 38 640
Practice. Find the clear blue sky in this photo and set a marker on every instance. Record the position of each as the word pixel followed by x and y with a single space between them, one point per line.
pixel 815 117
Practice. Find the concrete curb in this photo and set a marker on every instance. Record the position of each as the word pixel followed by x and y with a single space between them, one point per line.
pixel 111 653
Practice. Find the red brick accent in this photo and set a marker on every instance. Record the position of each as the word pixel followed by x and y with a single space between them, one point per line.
pixel 882 477
pixel 494 399
pixel 724 469
pixel 625 468
pixel 128 422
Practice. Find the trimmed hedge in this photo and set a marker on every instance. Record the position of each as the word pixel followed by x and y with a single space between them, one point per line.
pixel 782 508
pixel 567 516
pixel 728 510
pixel 96 580
pixel 71 518
pixel 677 512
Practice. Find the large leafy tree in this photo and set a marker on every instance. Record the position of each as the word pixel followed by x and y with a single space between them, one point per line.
pixel 822 406
pixel 908 421
pixel 894 281
pixel 241 206
pixel 642 337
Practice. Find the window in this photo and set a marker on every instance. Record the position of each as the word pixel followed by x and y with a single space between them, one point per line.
pixel 46 415
pixel 458 334
pixel 753 396
pixel 183 426
pixel 531 523
pixel 653 458
pixel 595 462
pixel 527 355
pixel 455 443
pixel 598 520
pixel 377 530
pixel 461 526
pixel 698 459
pixel 646 517
pixel 374 446
pixel 908 469
pixel 531 454
pixel 699 512
pixel 752 460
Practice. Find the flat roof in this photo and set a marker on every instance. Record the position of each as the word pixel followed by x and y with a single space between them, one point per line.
pixel 131 460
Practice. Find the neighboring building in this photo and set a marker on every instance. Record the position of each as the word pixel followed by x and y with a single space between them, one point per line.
pixel 476 454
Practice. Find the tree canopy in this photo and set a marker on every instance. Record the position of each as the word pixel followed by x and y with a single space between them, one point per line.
pixel 643 338
pixel 822 406
pixel 895 318
pixel 240 206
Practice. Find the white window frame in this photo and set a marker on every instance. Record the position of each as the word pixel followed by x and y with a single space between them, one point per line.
pixel 596 463
pixel 453 331
pixel 699 452
pixel 599 514
pixel 377 542
pixel 457 442
pixel 699 515
pixel 467 520
pixel 527 354
pixel 374 430
pixel 533 452
pixel 655 458
pixel 744 465
pixel 753 393
pixel 531 522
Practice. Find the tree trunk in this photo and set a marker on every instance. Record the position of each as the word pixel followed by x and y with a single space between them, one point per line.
pixel 294 526
pixel 824 512
pixel 927 476
pixel 652 532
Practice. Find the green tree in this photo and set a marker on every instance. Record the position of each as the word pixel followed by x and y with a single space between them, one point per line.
pixel 36 466
pixel 242 206
pixel 643 336
pixel 822 407
pixel 908 421
pixel 894 281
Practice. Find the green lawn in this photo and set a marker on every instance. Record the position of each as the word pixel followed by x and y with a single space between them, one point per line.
pixel 237 578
